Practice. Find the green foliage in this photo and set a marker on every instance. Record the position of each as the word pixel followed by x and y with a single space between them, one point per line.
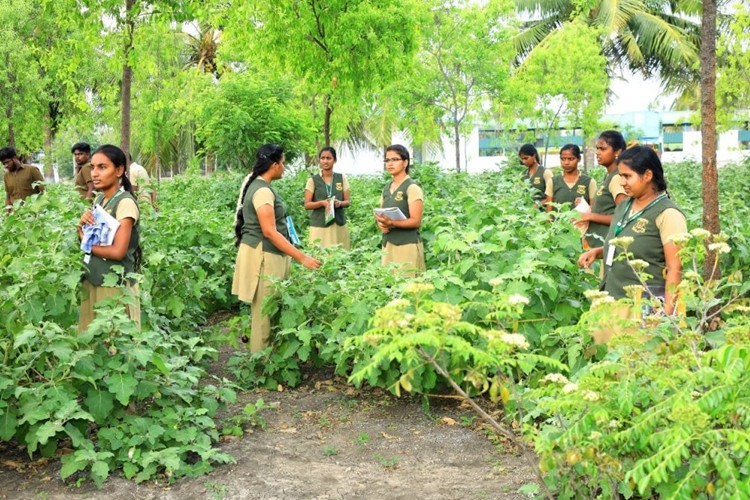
pixel 663 414
pixel 242 112
pixel 118 397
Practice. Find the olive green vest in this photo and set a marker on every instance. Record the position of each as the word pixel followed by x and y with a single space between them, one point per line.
pixel 252 234
pixel 537 182
pixel 97 267
pixel 604 203
pixel 323 191
pixel 399 198
pixel 561 193
pixel 646 246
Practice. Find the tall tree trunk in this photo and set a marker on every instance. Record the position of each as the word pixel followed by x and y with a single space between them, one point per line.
pixel 327 121
pixel 127 78
pixel 457 140
pixel 708 128
pixel 48 145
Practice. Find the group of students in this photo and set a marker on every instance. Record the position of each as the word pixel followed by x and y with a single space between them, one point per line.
pixel 262 231
pixel 631 201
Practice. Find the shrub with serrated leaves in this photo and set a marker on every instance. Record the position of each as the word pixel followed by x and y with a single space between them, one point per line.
pixel 667 411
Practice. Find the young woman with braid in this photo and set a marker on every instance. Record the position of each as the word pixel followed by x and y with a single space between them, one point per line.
pixel 108 165
pixel 262 236
pixel 610 194
pixel 321 190
pixel 650 218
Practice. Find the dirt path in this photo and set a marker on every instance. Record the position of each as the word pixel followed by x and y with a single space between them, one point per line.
pixel 324 440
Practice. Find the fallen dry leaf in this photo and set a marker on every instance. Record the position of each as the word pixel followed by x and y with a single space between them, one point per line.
pixel 448 421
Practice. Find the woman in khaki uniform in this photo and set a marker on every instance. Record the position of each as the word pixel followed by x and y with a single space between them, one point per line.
pixel 539 177
pixel 108 166
pixel 650 218
pixel 402 244
pixel 610 145
pixel 263 239
pixel 321 190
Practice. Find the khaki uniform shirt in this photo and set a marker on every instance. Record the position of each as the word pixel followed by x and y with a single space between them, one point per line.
pixel 18 184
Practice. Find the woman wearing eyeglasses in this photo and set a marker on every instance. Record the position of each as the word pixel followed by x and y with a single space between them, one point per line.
pixel 402 244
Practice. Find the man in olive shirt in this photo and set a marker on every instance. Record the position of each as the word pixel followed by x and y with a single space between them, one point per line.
pixel 82 156
pixel 19 179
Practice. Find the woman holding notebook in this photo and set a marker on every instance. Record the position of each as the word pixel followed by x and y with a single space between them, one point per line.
pixel 402 244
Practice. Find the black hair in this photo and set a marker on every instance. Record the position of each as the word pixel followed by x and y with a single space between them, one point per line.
pixel 642 158
pixel 402 152
pixel 267 155
pixel 614 139
pixel 330 150
pixel 573 148
pixel 81 146
pixel 529 150
pixel 117 156
pixel 8 153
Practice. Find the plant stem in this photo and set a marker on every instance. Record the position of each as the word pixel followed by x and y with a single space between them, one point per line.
pixel 509 435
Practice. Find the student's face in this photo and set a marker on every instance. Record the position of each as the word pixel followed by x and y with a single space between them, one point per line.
pixel 394 164
pixel 326 161
pixel 81 157
pixel 527 161
pixel 605 154
pixel 568 161
pixel 635 184
pixel 104 173
pixel 279 168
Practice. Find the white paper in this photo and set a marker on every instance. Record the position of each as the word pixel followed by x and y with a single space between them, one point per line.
pixel 330 209
pixel 101 215
pixel 393 213
pixel 583 207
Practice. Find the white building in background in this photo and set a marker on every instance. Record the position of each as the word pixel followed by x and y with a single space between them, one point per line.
pixel 487 148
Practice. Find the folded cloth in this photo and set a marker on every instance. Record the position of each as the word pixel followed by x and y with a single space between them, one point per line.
pixel 101 232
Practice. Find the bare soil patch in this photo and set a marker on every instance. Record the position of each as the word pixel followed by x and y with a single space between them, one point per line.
pixel 323 440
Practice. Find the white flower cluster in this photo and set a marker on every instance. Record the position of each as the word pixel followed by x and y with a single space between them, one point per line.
pixel 622 241
pixel 681 238
pixel 570 387
pixel 398 304
pixel 719 247
pixel 517 299
pixel 638 265
pixel 515 339
pixel 556 378
pixel 447 311
pixel 700 233
pixel 595 435
pixel 590 396
pixel 607 299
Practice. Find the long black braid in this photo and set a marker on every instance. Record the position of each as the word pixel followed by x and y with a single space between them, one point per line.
pixel 267 155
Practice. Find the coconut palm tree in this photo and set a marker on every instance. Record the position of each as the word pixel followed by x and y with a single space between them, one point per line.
pixel 652 37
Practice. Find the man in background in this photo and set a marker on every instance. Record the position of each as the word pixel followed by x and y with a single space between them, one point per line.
pixel 18 178
pixel 141 183
pixel 82 157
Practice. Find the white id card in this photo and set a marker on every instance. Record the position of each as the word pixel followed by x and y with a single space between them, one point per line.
pixel 87 258
pixel 610 255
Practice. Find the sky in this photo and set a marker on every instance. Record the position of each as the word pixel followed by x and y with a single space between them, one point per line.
pixel 634 93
